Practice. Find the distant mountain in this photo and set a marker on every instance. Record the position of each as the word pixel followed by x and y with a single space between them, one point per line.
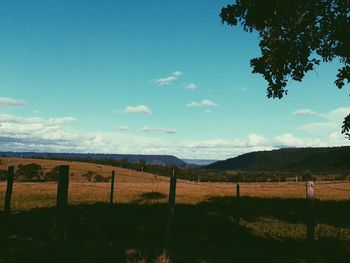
pixel 133 158
pixel 328 159
pixel 200 162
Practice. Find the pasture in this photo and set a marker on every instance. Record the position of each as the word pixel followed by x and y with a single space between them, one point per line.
pixel 271 227
pixel 135 187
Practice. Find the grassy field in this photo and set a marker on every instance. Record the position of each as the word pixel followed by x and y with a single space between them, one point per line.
pixel 136 187
pixel 27 196
pixel 271 228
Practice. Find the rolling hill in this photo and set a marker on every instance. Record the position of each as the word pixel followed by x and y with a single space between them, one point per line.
pixel 133 158
pixel 78 169
pixel 326 159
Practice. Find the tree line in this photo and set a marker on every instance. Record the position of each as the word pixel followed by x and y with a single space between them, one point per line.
pixel 35 172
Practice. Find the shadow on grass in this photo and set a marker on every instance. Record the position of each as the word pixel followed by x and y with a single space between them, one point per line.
pixel 150 197
pixel 336 213
pixel 201 233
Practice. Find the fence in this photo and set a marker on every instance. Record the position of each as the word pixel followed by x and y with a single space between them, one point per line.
pixel 150 189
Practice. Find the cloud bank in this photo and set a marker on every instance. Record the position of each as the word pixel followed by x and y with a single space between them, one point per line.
pixel 57 135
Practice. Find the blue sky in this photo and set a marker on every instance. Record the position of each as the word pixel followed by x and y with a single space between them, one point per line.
pixel 152 77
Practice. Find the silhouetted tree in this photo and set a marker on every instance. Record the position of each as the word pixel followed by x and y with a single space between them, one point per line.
pixel 124 163
pixel 295 35
pixel 3 175
pixel 29 171
pixel 52 175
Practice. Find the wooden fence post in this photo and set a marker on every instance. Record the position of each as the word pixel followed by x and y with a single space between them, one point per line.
pixel 111 200
pixel 238 203
pixel 60 224
pixel 310 219
pixel 8 195
pixel 171 212
pixel 62 189
pixel 310 196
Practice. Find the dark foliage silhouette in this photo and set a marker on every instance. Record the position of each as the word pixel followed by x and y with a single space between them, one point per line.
pixel 295 36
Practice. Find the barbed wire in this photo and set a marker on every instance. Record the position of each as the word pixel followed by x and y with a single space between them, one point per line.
pixel 196 186
pixel 49 200
pixel 48 197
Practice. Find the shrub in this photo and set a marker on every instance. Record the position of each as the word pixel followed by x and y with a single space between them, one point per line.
pixel 89 175
pixel 52 175
pixel 29 172
pixel 99 178
pixel 3 175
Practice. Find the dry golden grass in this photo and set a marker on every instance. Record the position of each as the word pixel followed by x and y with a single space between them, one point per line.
pixel 79 168
pixel 130 185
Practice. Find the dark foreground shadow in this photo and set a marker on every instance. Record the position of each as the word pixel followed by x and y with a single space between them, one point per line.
pixel 207 232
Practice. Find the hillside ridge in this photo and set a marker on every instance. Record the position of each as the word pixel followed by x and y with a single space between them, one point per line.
pixel 317 159
pixel 132 158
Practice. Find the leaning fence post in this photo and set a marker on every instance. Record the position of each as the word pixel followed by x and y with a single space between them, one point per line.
pixel 238 203
pixel 171 212
pixel 112 190
pixel 9 187
pixel 60 229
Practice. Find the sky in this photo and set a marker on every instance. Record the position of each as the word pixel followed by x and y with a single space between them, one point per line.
pixel 150 77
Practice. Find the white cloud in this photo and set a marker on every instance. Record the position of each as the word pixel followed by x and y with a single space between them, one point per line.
pixel 33 131
pixel 203 103
pixel 338 139
pixel 256 140
pixel 171 131
pixel 205 144
pixel 289 140
pixel 223 149
pixel 149 129
pixel 240 89
pixel 123 128
pixel 191 87
pixel 138 109
pixel 304 112
pixel 5 101
pixel 332 121
pixel 177 73
pixel 152 129
pixel 169 79
pixel 57 135
pixel 63 120
pixel 318 127
pixel 337 115
pixel 165 81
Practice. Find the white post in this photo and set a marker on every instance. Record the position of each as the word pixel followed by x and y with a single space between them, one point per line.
pixel 310 193
pixel 310 217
